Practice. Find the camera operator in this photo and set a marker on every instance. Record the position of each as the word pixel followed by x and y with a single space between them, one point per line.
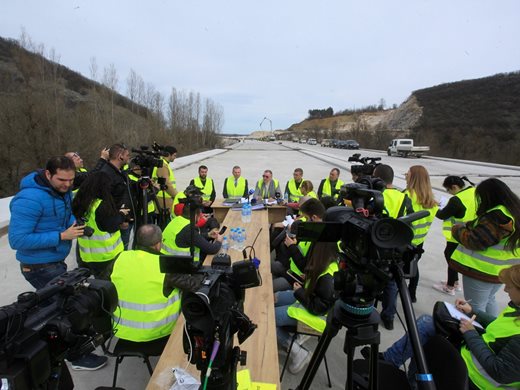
pixel 330 186
pixel 146 314
pixel 81 171
pixel 493 359
pixel 396 204
pixel 118 157
pixel 167 194
pixel 178 233
pixel 94 204
pixel 42 228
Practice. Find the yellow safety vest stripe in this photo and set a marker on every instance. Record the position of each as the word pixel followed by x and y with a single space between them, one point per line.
pixel 467 197
pixel 502 327
pixel 491 260
pixel 144 313
pixel 100 246
pixel 421 226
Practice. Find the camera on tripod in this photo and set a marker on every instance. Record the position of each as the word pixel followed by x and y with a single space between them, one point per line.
pixel 214 313
pixel 368 164
pixel 373 252
pixel 64 320
pixel 146 158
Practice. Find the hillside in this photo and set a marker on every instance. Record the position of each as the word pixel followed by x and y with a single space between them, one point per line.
pixel 47 109
pixel 471 119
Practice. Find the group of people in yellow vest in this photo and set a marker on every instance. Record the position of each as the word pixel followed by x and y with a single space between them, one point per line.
pixel 481 226
pixel 482 222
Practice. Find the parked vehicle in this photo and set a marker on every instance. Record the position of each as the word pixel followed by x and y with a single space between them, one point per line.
pixel 295 140
pixel 326 143
pixel 311 141
pixel 334 143
pixel 351 144
pixel 303 140
pixel 404 147
pixel 272 138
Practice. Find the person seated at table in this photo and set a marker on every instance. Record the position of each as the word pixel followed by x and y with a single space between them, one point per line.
pixel 307 303
pixel 492 359
pixel 292 254
pixel 292 188
pixel 307 189
pixel 235 186
pixel 330 186
pixel 206 185
pixel 177 235
pixel 144 313
pixel 267 187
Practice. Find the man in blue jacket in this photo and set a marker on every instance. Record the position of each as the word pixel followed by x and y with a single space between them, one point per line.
pixel 42 228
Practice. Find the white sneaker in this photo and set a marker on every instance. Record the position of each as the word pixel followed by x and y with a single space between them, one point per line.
pixel 445 289
pixel 299 357
pixel 458 288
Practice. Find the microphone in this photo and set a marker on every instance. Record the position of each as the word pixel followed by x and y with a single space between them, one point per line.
pixel 408 219
pixel 249 193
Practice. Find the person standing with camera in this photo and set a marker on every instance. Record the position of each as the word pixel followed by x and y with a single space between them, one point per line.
pixel 42 228
pixel 94 204
pixel 165 177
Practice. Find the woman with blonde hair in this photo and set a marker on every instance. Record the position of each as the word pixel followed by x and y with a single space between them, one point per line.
pixel 419 190
pixel 307 189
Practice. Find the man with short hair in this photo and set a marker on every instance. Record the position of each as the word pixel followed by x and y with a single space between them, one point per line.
pixel 145 313
pixel 206 185
pixel 292 188
pixel 81 171
pixel 42 228
pixel 118 157
pixel 267 187
pixel 396 204
pixel 330 186
pixel 235 186
pixel 167 194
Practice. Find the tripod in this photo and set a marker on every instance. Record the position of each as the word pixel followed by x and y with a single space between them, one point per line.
pixel 361 324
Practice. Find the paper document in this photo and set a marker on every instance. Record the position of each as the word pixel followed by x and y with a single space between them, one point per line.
pixel 457 314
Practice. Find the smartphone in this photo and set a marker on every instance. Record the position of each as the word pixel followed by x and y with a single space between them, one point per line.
pixel 223 230
pixel 295 277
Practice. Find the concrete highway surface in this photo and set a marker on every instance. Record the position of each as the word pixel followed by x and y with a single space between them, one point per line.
pixel 316 162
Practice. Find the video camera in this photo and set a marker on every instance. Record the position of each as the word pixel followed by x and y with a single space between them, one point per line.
pixel 214 313
pixel 66 319
pixel 367 167
pixel 147 159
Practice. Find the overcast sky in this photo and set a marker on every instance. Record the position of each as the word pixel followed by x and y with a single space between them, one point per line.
pixel 278 59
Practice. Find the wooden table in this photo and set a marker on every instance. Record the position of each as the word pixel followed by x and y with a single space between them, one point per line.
pixel 261 347
pixel 274 213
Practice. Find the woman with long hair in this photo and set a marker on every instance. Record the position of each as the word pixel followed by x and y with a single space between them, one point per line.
pixel 307 303
pixel 95 206
pixel 307 189
pixel 460 208
pixel 488 244
pixel 419 190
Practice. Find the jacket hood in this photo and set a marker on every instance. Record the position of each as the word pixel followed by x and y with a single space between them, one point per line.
pixel 36 179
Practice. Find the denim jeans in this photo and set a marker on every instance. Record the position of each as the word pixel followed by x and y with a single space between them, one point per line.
pixel 40 276
pixel 284 299
pixel 482 295
pixel 389 301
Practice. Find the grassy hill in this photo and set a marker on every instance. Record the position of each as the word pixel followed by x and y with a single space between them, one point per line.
pixel 471 119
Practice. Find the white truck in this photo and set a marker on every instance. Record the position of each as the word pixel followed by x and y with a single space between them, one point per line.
pixel 404 147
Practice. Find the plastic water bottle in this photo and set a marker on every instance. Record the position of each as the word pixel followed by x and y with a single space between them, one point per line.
pixel 232 236
pixel 244 238
pixel 225 246
pixel 286 198
pixel 240 239
pixel 246 212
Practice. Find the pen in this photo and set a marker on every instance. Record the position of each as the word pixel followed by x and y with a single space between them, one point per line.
pixel 472 318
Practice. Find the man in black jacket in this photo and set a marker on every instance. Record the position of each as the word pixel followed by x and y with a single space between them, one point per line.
pixel 118 157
